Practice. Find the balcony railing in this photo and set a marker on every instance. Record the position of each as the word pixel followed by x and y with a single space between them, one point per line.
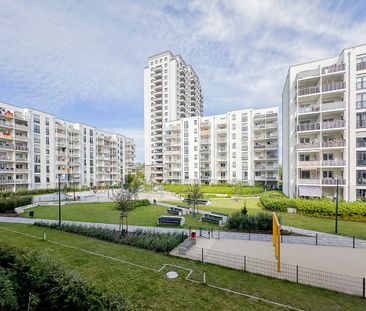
pixel 308 90
pixel 333 68
pixel 333 162
pixel 307 109
pixel 334 124
pixel 309 181
pixel 309 163
pixel 308 73
pixel 331 181
pixel 308 127
pixel 333 86
pixel 308 145
pixel 333 105
pixel 335 143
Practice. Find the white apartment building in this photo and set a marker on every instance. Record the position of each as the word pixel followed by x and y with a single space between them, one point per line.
pixel 172 91
pixel 37 147
pixel 324 127
pixel 240 145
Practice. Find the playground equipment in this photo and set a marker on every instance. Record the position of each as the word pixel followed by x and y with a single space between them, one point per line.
pixel 276 239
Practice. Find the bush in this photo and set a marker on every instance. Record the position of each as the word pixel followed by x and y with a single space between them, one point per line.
pixel 277 201
pixel 48 286
pixel 138 203
pixel 10 203
pixel 151 240
pixel 260 222
pixel 219 189
pixel 26 192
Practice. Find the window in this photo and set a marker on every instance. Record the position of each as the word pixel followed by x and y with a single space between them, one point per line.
pixel 361 101
pixel 305 174
pixel 361 82
pixel 47 131
pixel 36 129
pixel 328 157
pixel 37 168
pixel 47 140
pixel 361 142
pixel 195 122
pixel 37 158
pixel 304 157
pixel 234 145
pixel 361 178
pixel 36 119
pixel 233 117
pixel 361 120
pixel 361 62
pixel 47 121
pixel 233 136
pixel 361 158
pixel 37 179
pixel 185 124
pixel 233 127
pixel 185 150
pixel 327 174
pixel 47 168
pixel 47 179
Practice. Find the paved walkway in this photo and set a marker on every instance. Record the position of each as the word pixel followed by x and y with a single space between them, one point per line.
pixel 323 239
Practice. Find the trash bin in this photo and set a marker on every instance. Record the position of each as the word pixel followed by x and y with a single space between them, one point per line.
pixel 31 214
pixel 193 234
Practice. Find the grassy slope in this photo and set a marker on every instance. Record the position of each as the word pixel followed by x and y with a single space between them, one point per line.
pixel 153 291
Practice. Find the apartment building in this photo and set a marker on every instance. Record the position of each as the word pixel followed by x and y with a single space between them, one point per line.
pixel 324 127
pixel 240 145
pixel 172 91
pixel 36 148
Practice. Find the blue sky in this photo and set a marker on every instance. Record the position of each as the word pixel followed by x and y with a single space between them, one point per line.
pixel 83 60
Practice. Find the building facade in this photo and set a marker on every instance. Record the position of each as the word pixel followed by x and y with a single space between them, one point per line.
pixel 240 145
pixel 36 148
pixel 324 127
pixel 172 91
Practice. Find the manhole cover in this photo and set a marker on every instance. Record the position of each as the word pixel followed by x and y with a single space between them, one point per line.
pixel 172 275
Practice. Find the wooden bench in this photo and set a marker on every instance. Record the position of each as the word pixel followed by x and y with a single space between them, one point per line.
pixel 175 210
pixel 171 220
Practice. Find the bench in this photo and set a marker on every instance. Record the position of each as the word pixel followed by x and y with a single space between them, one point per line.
pixel 175 210
pixel 171 220
pixel 216 218
pixel 198 201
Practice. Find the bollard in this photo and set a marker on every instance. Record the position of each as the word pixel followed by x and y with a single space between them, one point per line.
pixel 249 236
pixel 204 276
pixel 297 274
pixel 245 263
pixel 202 255
pixel 44 235
pixel 316 239
pixel 364 287
pixel 354 242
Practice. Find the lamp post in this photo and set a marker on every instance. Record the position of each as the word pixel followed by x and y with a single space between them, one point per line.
pixel 337 206
pixel 59 200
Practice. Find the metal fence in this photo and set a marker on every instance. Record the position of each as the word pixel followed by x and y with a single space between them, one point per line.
pixel 317 239
pixel 294 273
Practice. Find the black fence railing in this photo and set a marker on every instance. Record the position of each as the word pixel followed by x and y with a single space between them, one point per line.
pixel 333 281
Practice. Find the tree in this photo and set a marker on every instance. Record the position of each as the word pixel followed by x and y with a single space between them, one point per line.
pixel 123 199
pixel 194 193
pixel 128 181
pixel 135 186
pixel 237 190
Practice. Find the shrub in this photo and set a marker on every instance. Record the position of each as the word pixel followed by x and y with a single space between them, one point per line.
pixel 138 203
pixel 10 203
pixel 219 189
pixel 151 240
pixel 50 287
pixel 277 201
pixel 260 222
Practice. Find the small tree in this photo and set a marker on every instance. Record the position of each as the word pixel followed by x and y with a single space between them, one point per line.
pixel 244 211
pixel 128 181
pixel 194 193
pixel 237 190
pixel 135 186
pixel 123 199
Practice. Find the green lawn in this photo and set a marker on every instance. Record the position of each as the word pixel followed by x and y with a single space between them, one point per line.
pixel 152 291
pixel 107 213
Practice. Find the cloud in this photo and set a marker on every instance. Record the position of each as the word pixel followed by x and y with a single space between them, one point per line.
pixel 84 60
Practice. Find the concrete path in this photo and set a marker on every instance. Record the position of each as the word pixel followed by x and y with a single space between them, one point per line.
pixel 323 239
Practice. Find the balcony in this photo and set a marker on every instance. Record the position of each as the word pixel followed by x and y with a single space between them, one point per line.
pixel 308 109
pixel 334 124
pixel 308 91
pixel 332 181
pixel 333 162
pixel 333 86
pixel 334 144
pixel 308 127
pixel 308 73
pixel 6 124
pixel 308 145
pixel 259 146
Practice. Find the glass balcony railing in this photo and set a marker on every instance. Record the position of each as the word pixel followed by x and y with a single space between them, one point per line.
pixel 333 86
pixel 334 124
pixel 308 127
pixel 332 181
pixel 308 91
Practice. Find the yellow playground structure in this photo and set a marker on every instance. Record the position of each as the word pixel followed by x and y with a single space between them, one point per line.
pixel 276 239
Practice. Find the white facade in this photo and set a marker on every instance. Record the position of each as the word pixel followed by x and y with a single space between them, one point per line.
pixel 35 147
pixel 240 145
pixel 324 127
pixel 171 92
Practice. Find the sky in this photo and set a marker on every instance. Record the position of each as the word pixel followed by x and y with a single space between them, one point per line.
pixel 83 60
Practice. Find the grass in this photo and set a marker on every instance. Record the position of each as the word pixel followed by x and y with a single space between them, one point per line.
pixel 107 213
pixel 152 291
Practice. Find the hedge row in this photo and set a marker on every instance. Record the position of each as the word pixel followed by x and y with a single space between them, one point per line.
pixel 10 203
pixel 277 201
pixel 138 203
pixel 151 240
pixel 34 282
pixel 260 222
pixel 220 189
pixel 22 192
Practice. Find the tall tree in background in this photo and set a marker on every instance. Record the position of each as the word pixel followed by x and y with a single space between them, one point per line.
pixel 194 193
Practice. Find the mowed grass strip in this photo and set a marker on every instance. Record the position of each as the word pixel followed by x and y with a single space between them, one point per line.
pixel 151 290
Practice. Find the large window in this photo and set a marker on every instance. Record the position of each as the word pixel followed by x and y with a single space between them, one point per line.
pixel 361 101
pixel 361 178
pixel 361 82
pixel 361 142
pixel 361 120
pixel 361 62
pixel 361 158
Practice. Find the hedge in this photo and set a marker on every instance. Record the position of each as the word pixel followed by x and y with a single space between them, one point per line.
pixel 151 240
pixel 35 277
pixel 260 222
pixel 10 203
pixel 277 201
pixel 219 189
pixel 22 192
